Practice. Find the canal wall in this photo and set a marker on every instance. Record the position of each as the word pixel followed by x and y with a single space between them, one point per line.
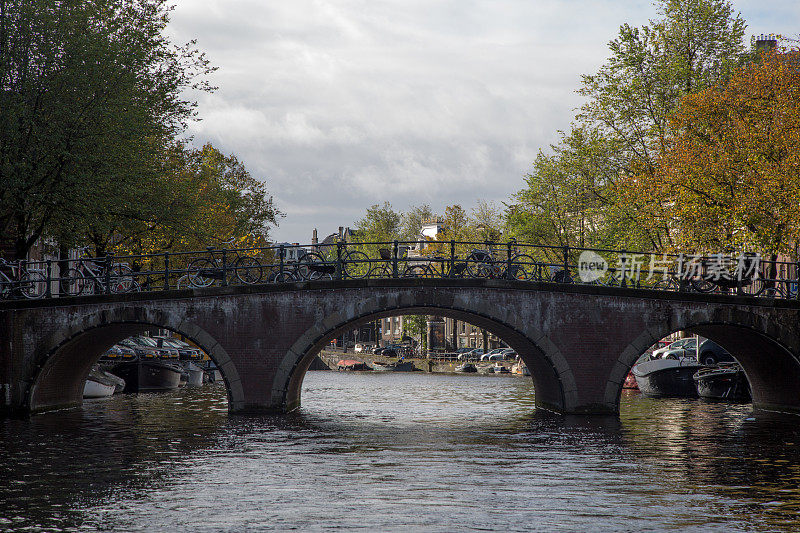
pixel 327 360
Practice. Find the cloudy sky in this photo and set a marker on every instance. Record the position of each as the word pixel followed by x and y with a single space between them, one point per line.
pixel 341 104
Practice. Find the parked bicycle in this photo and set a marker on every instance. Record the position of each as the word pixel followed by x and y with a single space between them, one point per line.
pixel 710 275
pixel 88 275
pixel 17 281
pixel 203 271
pixel 310 266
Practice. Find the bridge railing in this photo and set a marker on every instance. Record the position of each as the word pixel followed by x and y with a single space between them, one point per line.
pixel 733 274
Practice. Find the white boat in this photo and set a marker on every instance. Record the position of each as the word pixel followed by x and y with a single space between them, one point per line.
pixel 99 384
pixel 194 373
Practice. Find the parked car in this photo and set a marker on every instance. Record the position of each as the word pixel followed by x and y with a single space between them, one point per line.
pixel 185 350
pixel 688 344
pixel 711 353
pixel 509 353
pixel 474 354
pixel 496 351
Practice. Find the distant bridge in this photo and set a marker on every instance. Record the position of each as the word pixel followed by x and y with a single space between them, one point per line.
pixel 578 339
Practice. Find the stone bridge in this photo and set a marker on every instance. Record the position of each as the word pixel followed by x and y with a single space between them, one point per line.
pixel 579 341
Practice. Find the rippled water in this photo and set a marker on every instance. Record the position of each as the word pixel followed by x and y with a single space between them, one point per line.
pixel 403 452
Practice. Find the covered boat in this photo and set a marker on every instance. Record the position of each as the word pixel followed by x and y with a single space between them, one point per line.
pixel 667 377
pixel 724 382
pixel 467 368
pixel 144 374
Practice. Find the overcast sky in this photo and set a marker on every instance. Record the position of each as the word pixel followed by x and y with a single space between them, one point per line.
pixel 339 105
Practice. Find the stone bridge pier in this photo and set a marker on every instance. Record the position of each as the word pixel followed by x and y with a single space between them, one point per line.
pixel 578 341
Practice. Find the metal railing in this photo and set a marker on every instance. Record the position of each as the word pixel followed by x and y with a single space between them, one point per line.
pixel 743 274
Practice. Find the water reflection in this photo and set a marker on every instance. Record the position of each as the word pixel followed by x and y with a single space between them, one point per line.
pixel 393 452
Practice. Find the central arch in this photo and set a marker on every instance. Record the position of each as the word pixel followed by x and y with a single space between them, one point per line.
pixel 552 377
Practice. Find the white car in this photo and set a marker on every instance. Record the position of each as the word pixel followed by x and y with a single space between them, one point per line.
pixel 687 344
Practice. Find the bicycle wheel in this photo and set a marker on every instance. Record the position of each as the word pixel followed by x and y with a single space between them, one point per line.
pixel 477 265
pixel 32 285
pixel 381 271
pixel 666 284
pixel 74 283
pixel 121 278
pixel 248 270
pixel 199 272
pixel 702 285
pixel 520 268
pixel 307 266
pixel 281 276
pixel 416 271
pixel 355 264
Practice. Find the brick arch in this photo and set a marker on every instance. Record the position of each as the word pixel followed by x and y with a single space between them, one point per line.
pixel 553 378
pixel 759 344
pixel 64 359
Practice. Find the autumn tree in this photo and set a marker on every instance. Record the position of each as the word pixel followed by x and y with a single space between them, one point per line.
pixel 729 177
pixel 201 198
pixel 576 193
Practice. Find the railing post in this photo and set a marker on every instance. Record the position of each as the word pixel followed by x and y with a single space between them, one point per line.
pixel 47 290
pixel 166 271
pixel 566 276
pixel 339 269
pixel 108 275
pixel 452 258
pixel 509 246
pixel 623 282
pixel 281 254
pixel 797 281
pixel 224 267
pixel 395 251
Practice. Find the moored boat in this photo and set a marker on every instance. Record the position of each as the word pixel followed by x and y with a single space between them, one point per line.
pixel 630 382
pixel 352 364
pixel 520 368
pixel 467 368
pixel 100 384
pixel 142 374
pixel 666 377
pixel 501 369
pixel 194 374
pixel 724 382
pixel 399 366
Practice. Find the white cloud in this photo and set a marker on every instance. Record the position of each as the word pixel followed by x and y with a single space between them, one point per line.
pixel 339 105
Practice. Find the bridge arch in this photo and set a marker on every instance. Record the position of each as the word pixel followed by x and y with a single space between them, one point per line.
pixel 64 359
pixel 761 346
pixel 553 380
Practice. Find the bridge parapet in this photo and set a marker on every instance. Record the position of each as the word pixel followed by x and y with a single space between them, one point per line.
pixel 732 275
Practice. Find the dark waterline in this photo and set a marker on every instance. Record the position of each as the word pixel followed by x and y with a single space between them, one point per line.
pixel 398 452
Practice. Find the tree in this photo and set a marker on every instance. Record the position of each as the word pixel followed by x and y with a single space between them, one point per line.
pixel 417 325
pixel 577 194
pixel 729 177
pixel 203 198
pixel 694 45
pixel 488 221
pixel 92 95
pixel 380 224
pixel 413 220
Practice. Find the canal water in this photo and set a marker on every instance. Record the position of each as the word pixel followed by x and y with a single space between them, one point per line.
pixel 399 452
